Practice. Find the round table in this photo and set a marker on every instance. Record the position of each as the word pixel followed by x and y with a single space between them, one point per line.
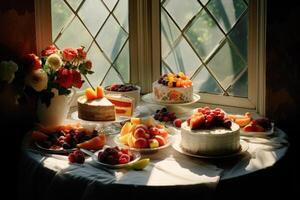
pixel 50 176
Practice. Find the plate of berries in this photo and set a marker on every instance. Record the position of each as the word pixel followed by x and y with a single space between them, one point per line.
pixel 114 157
pixel 67 138
pixel 260 127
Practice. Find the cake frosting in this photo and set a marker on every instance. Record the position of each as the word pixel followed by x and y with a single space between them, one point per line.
pixel 212 142
pixel 173 88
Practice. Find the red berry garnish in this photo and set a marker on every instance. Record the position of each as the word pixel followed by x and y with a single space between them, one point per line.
pixel 71 158
pixel 177 122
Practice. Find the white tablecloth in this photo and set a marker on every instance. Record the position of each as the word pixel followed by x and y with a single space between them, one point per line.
pixel 44 175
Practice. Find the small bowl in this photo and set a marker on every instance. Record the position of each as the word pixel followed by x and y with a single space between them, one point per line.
pixel 135 94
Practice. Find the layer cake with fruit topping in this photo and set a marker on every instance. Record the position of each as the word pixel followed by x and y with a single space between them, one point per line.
pixel 93 106
pixel 173 88
pixel 210 133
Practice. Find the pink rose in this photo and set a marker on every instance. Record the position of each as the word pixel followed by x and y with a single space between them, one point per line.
pixel 69 54
pixel 49 50
pixel 81 53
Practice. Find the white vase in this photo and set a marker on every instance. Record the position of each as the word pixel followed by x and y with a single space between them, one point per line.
pixel 57 111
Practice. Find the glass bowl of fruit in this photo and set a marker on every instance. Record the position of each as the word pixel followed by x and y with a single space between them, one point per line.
pixel 115 157
pixel 144 135
pixel 129 90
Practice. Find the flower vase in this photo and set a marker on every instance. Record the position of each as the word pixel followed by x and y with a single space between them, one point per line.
pixel 57 111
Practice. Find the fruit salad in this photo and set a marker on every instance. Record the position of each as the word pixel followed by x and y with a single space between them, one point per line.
pixel 206 118
pixel 175 80
pixel 142 134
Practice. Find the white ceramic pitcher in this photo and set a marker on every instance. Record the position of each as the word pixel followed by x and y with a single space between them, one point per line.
pixel 57 111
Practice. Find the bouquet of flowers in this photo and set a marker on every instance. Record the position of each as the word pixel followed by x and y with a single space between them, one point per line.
pixel 57 71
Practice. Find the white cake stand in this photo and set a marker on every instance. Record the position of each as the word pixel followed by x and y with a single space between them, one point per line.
pixel 177 108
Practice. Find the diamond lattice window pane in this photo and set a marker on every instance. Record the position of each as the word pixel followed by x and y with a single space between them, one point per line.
pixel 169 33
pixel 226 65
pixel 204 82
pixel 110 3
pixel 111 38
pixel 183 59
pixel 112 77
pixel 227 12
pixel 240 88
pixel 100 65
pixel 74 3
pixel 164 69
pixel 60 14
pixel 204 2
pixel 182 11
pixel 122 63
pixel 121 12
pixel 204 34
pixel 75 35
pixel 239 35
pixel 93 13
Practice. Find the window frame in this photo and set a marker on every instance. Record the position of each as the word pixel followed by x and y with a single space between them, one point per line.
pixel 145 48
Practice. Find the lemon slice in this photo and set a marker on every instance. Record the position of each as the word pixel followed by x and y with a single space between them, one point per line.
pixel 141 164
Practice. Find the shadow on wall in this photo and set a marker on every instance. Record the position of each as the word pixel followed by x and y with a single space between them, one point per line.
pixel 283 92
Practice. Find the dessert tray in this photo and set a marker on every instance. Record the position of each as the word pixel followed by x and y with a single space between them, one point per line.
pixel 94 157
pixel 149 99
pixel 177 147
pixel 144 150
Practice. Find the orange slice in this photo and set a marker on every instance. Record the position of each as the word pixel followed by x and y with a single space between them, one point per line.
pixel 100 92
pixel 90 94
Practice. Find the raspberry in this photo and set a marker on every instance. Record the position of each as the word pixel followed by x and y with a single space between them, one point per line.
pixel 71 158
pixel 177 122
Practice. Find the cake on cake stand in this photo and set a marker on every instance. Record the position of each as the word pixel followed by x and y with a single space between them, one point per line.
pixel 178 108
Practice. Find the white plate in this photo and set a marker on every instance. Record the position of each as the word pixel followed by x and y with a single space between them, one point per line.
pixel 149 99
pixel 144 150
pixel 177 147
pixel 258 134
pixel 54 151
pixel 94 156
pixel 74 116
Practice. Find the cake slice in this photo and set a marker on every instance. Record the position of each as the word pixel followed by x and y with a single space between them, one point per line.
pixel 124 104
pixel 95 110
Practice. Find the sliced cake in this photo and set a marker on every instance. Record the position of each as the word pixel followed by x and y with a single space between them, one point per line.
pixel 124 105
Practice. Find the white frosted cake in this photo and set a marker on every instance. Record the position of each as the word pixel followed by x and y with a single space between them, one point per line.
pixel 173 88
pixel 212 142
pixel 210 132
pixel 95 110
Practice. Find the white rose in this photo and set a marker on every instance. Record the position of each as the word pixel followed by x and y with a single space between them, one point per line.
pixel 54 61
pixel 37 79
pixel 7 71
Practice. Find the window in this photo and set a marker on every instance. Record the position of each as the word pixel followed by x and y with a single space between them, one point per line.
pixel 218 43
